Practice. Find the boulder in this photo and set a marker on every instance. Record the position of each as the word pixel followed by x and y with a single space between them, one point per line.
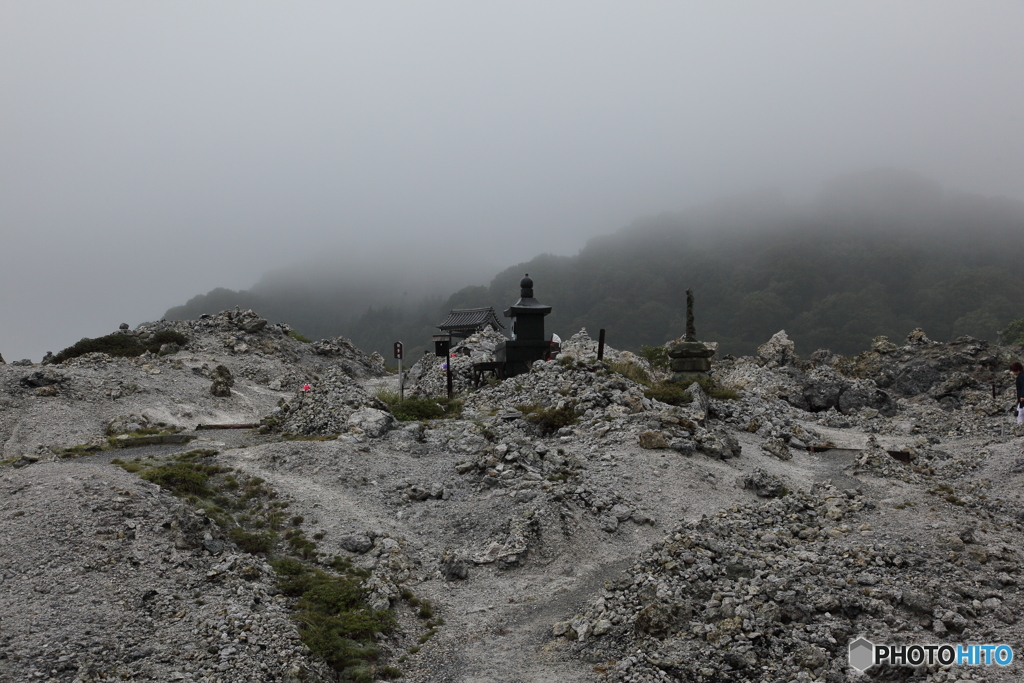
pixel 652 440
pixel 222 382
pixel 372 422
pixel 357 543
pixel 454 568
pixel 882 345
pixel 777 447
pixel 763 484
pixel 777 351
pixel 41 378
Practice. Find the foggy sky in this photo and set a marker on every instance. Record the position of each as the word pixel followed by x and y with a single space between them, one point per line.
pixel 150 152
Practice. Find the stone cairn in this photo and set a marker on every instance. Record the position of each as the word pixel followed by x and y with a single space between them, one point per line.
pixel 691 359
pixel 222 382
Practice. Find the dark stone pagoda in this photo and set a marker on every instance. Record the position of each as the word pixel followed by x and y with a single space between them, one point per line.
pixel 528 343
pixel 691 360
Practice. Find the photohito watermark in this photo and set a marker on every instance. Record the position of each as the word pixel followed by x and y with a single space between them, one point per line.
pixel 865 654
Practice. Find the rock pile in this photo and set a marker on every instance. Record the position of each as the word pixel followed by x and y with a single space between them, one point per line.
pixel 333 404
pixel 775 591
pixel 922 366
pixel 427 377
pixel 123 581
pixel 222 382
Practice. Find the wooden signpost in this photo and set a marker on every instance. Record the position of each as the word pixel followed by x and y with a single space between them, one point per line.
pixel 401 384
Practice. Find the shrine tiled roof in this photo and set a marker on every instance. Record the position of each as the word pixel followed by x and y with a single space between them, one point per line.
pixel 471 319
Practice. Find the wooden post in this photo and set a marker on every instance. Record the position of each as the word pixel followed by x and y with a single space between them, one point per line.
pixel 448 371
pixel 600 345
pixel 399 352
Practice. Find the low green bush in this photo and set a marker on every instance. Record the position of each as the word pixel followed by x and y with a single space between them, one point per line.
pixel 121 345
pixel 668 392
pixel 716 391
pixel 419 408
pixel 166 337
pixel 180 478
pixel 253 542
pixel 550 420
pixel 631 371
pixel 657 356
pixel 333 618
pixel 118 345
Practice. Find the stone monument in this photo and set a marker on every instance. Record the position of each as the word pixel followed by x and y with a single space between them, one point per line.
pixel 691 359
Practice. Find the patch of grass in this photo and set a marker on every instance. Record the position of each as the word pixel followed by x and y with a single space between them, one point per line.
pixel 550 420
pixel 333 618
pixel 334 621
pixel 253 542
pixel 671 393
pixel 180 478
pixel 419 408
pixel 426 610
pixel 79 450
pixel 631 371
pixel 657 356
pixel 299 337
pixel 426 636
pixel 128 466
pixel 716 391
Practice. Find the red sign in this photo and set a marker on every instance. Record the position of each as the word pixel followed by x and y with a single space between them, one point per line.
pixel 398 350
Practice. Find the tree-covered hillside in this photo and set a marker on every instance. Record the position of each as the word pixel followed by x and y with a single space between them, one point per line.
pixel 876 253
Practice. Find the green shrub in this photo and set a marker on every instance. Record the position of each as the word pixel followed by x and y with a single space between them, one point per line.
pixel 253 542
pixel 420 408
pixel 550 420
pixel 181 478
pixel 298 337
pixel 657 356
pixel 120 345
pixel 166 337
pixel 714 390
pixel 333 618
pixel 668 392
pixel 631 371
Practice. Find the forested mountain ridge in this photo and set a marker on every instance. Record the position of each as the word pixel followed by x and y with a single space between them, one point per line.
pixel 876 253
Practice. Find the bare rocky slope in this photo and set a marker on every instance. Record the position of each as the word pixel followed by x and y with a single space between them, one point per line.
pixel 565 527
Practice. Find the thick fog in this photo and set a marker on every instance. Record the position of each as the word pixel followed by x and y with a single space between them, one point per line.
pixel 150 152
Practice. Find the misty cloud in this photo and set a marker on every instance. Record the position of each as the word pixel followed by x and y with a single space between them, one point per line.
pixel 149 153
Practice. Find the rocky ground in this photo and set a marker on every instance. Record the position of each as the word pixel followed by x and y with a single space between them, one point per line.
pixel 565 528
